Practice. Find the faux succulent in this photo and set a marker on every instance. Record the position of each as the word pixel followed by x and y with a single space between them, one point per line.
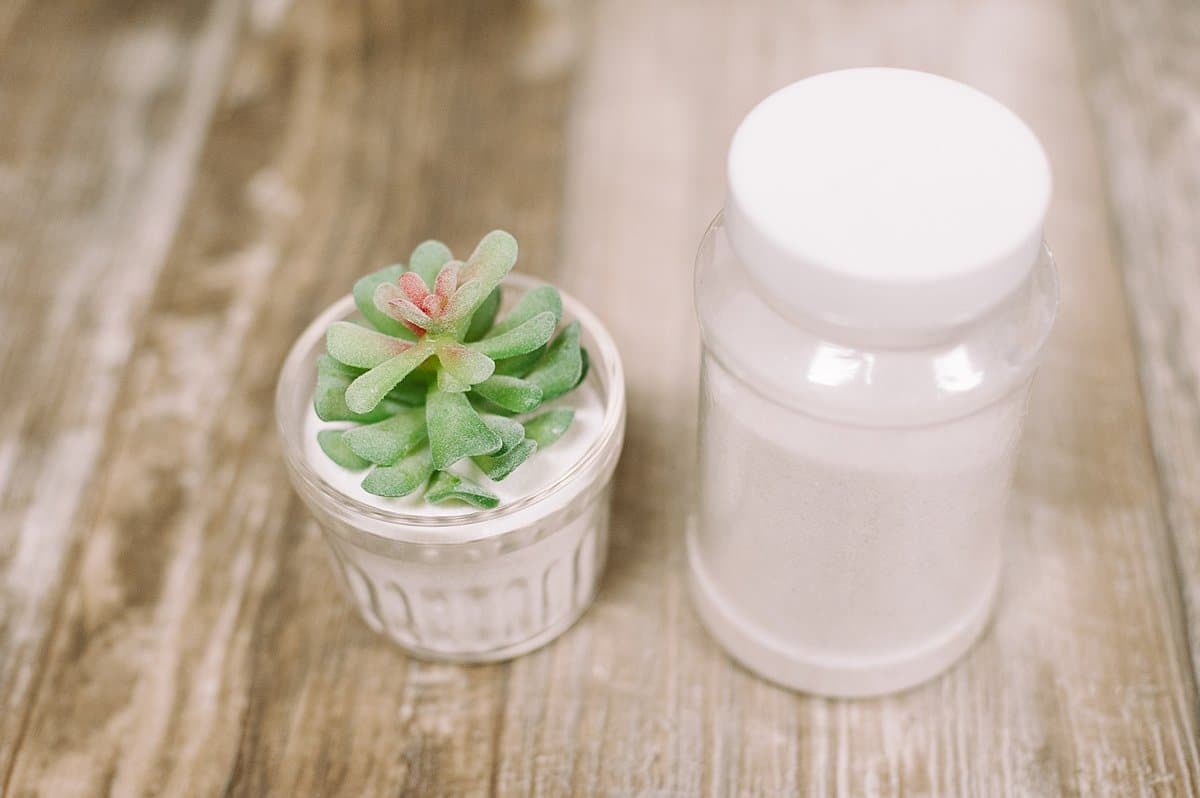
pixel 430 377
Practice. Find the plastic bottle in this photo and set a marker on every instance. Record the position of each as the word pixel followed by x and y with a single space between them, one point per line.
pixel 874 301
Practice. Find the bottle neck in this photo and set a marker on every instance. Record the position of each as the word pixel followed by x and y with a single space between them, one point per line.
pixel 874 377
pixel 860 336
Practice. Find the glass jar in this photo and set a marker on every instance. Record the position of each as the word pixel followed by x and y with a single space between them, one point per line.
pixel 857 437
pixel 484 585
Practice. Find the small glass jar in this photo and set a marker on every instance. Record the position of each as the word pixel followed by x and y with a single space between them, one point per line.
pixel 485 585
pixel 857 432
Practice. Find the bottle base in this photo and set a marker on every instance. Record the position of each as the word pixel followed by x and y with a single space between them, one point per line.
pixel 791 666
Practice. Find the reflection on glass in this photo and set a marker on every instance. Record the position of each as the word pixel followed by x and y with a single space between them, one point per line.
pixel 836 365
pixel 954 372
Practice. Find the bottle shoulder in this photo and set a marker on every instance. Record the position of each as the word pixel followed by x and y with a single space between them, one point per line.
pixel 859 376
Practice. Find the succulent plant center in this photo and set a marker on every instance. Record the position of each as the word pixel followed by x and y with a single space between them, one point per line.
pixel 431 377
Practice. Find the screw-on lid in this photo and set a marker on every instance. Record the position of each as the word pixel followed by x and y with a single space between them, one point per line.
pixel 886 199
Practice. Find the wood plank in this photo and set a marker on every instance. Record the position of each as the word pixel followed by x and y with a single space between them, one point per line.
pixel 204 645
pixel 103 111
pixel 1142 75
pixel 1082 686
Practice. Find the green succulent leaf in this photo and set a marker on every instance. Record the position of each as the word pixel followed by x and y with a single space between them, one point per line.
pixel 548 427
pixel 359 347
pixel 332 443
pixel 464 364
pixel 364 298
pixel 385 442
pixel 402 478
pixel 560 367
pixel 446 281
pixel 498 466
pixel 511 393
pixel 520 365
pixel 438 379
pixel 456 430
pixel 450 384
pixel 520 340
pixel 587 364
pixel 329 398
pixel 329 366
pixel 511 431
pixel 491 261
pixel 428 259
pixel 367 390
pixel 411 390
pixel 466 299
pixel 484 316
pixel 452 487
pixel 536 300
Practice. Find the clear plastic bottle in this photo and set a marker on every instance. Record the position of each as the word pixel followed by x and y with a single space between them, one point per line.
pixel 871 328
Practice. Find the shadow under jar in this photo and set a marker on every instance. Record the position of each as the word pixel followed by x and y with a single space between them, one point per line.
pixel 483 585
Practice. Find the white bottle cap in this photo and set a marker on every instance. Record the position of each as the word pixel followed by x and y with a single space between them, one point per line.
pixel 886 199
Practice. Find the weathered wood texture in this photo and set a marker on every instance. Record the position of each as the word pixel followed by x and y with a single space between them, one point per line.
pixel 1142 74
pixel 103 110
pixel 189 185
pixel 201 643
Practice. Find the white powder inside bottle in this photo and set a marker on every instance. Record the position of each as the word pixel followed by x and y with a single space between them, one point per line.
pixel 878 537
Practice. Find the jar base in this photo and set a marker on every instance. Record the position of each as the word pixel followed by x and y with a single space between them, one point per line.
pixel 836 677
pixel 501 654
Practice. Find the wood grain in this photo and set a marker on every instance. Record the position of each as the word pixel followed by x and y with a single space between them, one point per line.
pixel 205 178
pixel 103 113
pixel 1142 76
pixel 327 157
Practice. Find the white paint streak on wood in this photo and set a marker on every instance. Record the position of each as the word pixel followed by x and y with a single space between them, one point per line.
pixel 109 262
pixel 267 15
pixel 552 39
pixel 8 458
pixel 203 360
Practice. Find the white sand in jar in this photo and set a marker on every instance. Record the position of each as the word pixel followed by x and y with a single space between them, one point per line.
pixel 884 536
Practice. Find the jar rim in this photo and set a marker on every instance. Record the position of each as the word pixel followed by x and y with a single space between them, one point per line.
pixel 410 528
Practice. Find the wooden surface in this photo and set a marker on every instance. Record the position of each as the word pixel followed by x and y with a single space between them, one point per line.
pixel 182 186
